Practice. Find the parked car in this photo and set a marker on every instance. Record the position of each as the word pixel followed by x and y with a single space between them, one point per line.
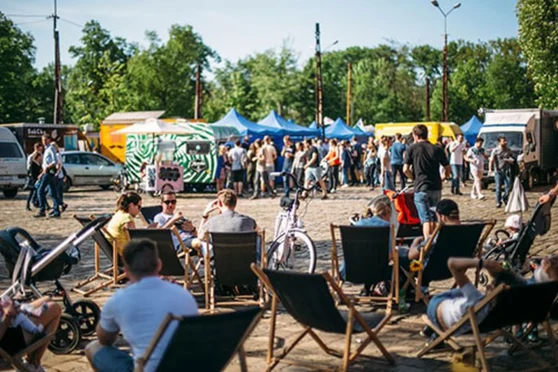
pixel 89 169
pixel 12 164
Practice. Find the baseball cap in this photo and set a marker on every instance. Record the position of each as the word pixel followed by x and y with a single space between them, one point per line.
pixel 448 207
pixel 514 221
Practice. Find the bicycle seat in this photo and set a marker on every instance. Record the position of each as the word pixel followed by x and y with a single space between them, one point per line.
pixel 286 203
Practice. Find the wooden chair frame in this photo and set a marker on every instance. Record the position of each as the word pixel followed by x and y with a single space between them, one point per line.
pixel 109 276
pixel 417 284
pixel 480 343
pixel 142 361
pixel 16 359
pixel 209 280
pixel 348 358
pixel 394 291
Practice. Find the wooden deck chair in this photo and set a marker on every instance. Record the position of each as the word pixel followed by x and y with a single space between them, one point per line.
pixel 307 298
pixel 16 360
pixel 148 213
pixel 510 306
pixel 203 343
pixel 464 240
pixel 366 252
pixel 232 255
pixel 109 276
pixel 167 253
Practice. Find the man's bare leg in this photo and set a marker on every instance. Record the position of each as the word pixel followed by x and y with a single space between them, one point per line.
pixel 428 229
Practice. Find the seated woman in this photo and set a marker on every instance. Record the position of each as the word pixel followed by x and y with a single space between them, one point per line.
pixel 14 338
pixel 128 207
pixel 447 308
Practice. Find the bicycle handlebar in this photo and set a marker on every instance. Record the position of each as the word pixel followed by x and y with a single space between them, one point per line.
pixel 292 177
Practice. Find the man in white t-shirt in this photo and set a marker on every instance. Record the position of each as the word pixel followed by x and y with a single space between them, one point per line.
pixel 476 157
pixel 238 159
pixel 456 150
pixel 137 312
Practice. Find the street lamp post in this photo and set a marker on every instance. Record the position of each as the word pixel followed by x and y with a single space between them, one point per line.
pixel 320 82
pixel 445 91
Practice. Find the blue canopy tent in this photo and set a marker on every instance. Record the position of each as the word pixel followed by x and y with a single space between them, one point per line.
pixel 342 131
pixel 471 129
pixel 274 120
pixel 246 127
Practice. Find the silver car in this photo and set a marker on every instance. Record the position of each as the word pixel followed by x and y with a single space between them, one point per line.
pixel 89 169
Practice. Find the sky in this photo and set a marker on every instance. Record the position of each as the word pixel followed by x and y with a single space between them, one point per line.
pixel 238 28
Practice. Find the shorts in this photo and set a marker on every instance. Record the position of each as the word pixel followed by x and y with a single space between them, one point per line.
pixel 237 175
pixel 111 359
pixel 313 174
pixel 188 241
pixel 425 202
pixel 270 168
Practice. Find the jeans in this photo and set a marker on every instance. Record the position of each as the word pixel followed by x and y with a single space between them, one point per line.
pixel 388 181
pixel 47 181
pixel 398 169
pixel 287 180
pixel 333 177
pixel 502 178
pixel 32 194
pixel 431 309
pixel 456 171
pixel 424 201
pixel 262 177
pixel 345 175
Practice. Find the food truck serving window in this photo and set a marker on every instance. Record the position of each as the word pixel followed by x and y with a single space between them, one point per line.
pixel 198 147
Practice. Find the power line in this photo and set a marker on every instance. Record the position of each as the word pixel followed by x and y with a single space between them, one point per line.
pixel 26 15
pixel 30 22
pixel 70 22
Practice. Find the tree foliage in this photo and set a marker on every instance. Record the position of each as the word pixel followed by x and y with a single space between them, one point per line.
pixel 538 37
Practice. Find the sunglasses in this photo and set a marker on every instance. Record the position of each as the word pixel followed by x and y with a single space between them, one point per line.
pixel 167 202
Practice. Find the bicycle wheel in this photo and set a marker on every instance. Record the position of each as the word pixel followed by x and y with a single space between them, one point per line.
pixel 296 253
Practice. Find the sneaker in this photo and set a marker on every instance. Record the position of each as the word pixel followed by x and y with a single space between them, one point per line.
pixel 499 205
pixel 473 196
pixel 55 215
pixel 253 197
pixel 482 197
pixel 333 191
pixel 64 207
pixel 28 208
pixel 344 186
pixel 39 215
pixel 324 197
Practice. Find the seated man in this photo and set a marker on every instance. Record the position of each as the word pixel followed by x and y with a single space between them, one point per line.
pixel 137 311
pixel 169 218
pixel 447 213
pixel 227 220
pixel 14 338
pixel 447 308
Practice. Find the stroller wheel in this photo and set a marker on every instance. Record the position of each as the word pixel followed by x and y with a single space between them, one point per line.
pixel 86 313
pixel 67 337
pixel 483 279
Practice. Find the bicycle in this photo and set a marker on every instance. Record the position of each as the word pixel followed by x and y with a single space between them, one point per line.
pixel 292 248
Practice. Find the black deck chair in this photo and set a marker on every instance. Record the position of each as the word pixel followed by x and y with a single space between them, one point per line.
pixel 148 213
pixel 203 343
pixel 109 276
pixel 464 240
pixel 366 254
pixel 16 360
pixel 515 251
pixel 307 298
pixel 510 306
pixel 232 255
pixel 167 253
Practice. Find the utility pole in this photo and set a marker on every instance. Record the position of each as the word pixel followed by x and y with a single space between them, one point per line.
pixel 427 81
pixel 198 99
pixel 58 98
pixel 445 90
pixel 349 68
pixel 319 84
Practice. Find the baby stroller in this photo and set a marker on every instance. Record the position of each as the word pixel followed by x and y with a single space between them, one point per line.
pixel 515 251
pixel 28 264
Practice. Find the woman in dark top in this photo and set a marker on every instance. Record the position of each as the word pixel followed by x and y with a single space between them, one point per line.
pixel 35 170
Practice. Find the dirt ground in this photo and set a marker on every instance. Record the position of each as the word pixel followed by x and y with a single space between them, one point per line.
pixel 400 336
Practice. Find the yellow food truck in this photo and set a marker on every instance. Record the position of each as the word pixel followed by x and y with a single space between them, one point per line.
pixel 435 129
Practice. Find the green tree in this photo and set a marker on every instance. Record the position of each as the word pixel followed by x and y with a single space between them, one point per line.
pixel 538 37
pixel 17 55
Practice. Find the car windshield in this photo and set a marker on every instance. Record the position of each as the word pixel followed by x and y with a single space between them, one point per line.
pixel 10 150
pixel 515 140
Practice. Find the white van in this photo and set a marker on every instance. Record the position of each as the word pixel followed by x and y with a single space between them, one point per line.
pixel 13 164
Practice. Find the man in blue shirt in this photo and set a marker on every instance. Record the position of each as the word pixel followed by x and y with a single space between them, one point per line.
pixel 397 150
pixel 47 179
